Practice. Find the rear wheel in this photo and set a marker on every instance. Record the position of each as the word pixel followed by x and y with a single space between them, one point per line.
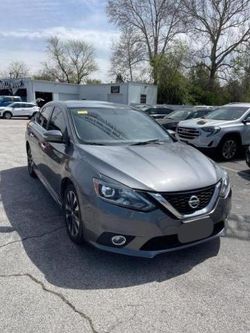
pixel 72 215
pixel 7 115
pixel 30 163
pixel 229 148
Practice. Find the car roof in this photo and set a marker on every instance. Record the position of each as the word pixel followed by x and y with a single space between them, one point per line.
pixel 92 104
pixel 20 102
pixel 238 105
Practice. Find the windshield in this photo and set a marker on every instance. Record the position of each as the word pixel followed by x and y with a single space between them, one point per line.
pixel 227 113
pixel 179 114
pixel 115 126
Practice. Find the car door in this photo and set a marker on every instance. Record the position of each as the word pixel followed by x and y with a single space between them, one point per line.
pixel 17 109
pixel 29 109
pixel 35 132
pixel 56 154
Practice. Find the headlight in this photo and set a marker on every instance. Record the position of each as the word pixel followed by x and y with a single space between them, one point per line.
pixel 121 195
pixel 211 130
pixel 225 185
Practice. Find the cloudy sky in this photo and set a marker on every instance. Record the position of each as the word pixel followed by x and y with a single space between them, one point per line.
pixel 26 24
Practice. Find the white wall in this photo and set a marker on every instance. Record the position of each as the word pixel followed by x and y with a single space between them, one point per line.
pixel 138 89
pixel 102 92
pixel 61 91
pixel 129 92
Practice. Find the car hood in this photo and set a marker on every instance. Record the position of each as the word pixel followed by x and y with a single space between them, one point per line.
pixel 155 167
pixel 167 121
pixel 200 122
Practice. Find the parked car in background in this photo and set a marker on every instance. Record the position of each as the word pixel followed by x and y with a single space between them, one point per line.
pixel 123 183
pixel 224 130
pixel 19 109
pixel 140 107
pixel 6 100
pixel 171 121
pixel 158 111
pixel 248 156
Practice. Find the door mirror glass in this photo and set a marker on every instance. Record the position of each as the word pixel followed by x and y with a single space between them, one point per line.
pixel 53 136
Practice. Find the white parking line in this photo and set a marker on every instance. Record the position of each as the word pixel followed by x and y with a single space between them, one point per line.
pixel 230 169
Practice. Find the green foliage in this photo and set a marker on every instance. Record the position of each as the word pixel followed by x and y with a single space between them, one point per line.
pixel 172 83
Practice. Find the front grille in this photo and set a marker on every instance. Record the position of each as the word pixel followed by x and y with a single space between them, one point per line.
pixel 187 133
pixel 171 241
pixel 180 200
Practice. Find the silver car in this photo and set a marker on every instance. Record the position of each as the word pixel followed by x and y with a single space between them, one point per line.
pixel 124 184
pixel 224 130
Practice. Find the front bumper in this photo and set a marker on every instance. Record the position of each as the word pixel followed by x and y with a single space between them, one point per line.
pixel 151 233
pixel 202 141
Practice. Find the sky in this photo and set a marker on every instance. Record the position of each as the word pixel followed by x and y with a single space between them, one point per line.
pixel 25 25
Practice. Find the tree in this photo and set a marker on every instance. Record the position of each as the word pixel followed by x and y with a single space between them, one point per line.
pixel 156 23
pixel 220 27
pixel 17 70
pixel 127 54
pixel 69 61
pixel 172 82
pixel 93 81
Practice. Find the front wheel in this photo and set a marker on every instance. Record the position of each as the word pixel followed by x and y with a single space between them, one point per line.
pixel 7 115
pixel 30 164
pixel 72 215
pixel 229 148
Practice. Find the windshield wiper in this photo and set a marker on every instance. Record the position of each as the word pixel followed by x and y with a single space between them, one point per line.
pixel 147 142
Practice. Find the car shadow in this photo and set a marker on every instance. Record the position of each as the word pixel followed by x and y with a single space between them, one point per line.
pixel 39 223
pixel 245 174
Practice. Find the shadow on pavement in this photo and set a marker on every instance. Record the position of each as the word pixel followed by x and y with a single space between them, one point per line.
pixel 245 174
pixel 33 214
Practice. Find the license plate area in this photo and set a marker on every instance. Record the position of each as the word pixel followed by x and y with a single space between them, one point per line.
pixel 194 231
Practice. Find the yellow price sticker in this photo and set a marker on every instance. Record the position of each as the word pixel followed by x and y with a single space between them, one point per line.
pixel 82 112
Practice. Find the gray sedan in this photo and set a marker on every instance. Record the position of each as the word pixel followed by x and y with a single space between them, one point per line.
pixel 123 183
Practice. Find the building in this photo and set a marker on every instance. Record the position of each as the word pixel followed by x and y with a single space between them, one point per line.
pixel 125 93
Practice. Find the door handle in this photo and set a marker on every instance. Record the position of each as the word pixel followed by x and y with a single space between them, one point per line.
pixel 31 135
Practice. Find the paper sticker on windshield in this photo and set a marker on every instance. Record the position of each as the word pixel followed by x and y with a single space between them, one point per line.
pixel 82 112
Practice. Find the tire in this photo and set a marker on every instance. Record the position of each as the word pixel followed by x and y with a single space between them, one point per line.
pixel 228 148
pixel 7 115
pixel 30 163
pixel 72 215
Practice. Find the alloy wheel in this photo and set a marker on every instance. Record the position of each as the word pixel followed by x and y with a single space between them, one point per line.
pixel 7 115
pixel 72 214
pixel 30 163
pixel 229 149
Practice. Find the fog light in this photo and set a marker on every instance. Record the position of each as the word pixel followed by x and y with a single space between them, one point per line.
pixel 118 240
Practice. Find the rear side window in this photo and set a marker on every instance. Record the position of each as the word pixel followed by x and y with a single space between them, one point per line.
pixel 16 105
pixel 57 121
pixel 43 118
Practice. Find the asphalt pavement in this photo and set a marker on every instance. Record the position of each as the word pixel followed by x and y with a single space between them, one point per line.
pixel 48 284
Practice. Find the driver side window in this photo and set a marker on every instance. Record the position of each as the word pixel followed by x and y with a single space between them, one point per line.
pixel 43 117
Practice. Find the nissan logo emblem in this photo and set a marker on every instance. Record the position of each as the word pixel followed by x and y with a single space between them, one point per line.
pixel 194 201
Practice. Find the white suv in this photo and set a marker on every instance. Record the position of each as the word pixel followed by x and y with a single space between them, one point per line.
pixel 225 130
pixel 19 109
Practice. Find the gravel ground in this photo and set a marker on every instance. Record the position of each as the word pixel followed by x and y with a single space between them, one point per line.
pixel 47 284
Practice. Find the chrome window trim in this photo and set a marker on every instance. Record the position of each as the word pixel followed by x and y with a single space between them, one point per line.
pixel 189 217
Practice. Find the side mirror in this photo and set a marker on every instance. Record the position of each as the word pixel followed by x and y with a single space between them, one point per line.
pixel 53 136
pixel 172 134
pixel 246 121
